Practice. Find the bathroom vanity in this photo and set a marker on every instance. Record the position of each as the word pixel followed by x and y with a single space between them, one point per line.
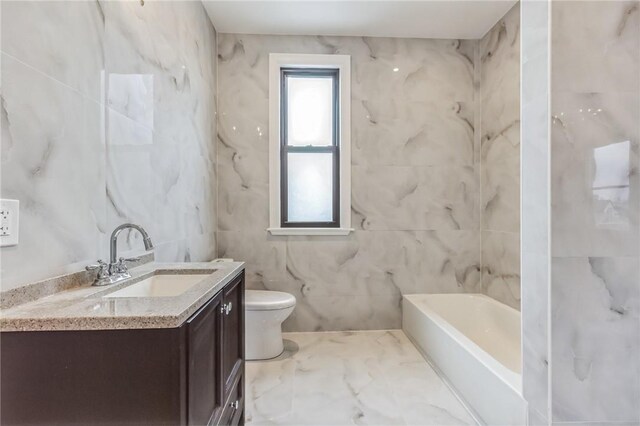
pixel 127 355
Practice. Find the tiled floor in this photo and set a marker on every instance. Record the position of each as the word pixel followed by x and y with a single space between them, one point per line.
pixel 344 378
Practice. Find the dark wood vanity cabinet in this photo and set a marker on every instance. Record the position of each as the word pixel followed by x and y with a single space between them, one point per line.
pixel 204 352
pixel 215 351
pixel 190 375
pixel 233 322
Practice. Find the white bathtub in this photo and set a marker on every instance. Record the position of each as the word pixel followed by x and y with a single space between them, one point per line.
pixel 475 343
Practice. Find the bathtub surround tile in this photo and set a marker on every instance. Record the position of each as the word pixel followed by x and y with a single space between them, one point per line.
pixel 536 419
pixel 599 52
pixel 500 208
pixel 123 98
pixel 595 166
pixel 596 331
pixel 375 377
pixel 536 358
pixel 500 88
pixel 582 329
pixel 535 209
pixel 499 169
pixel 501 266
pixel 500 123
pixel 595 268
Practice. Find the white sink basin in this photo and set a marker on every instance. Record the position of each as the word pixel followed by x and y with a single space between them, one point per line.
pixel 168 285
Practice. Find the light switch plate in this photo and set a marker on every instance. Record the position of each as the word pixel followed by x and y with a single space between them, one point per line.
pixel 9 213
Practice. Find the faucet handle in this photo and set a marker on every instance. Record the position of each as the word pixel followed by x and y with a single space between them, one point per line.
pixel 101 264
pixel 121 266
pixel 102 267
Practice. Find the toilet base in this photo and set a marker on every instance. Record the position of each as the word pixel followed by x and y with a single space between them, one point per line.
pixel 263 334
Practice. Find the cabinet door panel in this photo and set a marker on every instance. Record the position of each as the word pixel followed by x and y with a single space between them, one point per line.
pixel 205 394
pixel 234 409
pixel 233 323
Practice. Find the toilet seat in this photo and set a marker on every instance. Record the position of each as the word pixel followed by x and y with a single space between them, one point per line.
pixel 260 300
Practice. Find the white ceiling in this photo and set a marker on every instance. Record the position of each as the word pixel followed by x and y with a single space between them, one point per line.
pixel 463 19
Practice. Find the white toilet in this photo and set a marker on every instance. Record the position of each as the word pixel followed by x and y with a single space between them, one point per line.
pixel 264 313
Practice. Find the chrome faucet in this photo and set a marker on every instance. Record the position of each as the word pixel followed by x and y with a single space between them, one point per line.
pixel 117 270
pixel 113 253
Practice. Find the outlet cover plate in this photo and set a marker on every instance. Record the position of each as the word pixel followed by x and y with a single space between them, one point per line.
pixel 9 214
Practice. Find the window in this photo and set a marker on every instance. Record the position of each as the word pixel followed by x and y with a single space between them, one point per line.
pixel 309 176
pixel 309 150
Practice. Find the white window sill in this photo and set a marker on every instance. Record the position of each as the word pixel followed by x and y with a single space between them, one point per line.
pixel 310 231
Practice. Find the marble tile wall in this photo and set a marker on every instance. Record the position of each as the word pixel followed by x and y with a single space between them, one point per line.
pixel 108 116
pixel 499 98
pixel 535 209
pixel 595 187
pixel 415 204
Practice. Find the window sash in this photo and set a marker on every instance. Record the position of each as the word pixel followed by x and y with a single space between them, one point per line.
pixel 285 148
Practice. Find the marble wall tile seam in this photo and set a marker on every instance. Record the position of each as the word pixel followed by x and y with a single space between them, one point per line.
pixel 564 92
pixel 544 417
pixel 218 185
pixel 498 133
pixel 500 231
pixel 595 422
pixel 84 96
pixel 50 77
pixel 52 38
pixel 414 229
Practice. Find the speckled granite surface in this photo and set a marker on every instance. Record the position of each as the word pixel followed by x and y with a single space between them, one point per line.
pixel 40 289
pixel 84 307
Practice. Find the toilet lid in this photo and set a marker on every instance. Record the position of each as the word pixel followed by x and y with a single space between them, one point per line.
pixel 260 300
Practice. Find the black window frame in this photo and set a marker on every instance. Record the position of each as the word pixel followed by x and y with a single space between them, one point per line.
pixel 285 149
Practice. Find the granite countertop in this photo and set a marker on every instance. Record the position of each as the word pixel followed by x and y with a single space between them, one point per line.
pixel 85 307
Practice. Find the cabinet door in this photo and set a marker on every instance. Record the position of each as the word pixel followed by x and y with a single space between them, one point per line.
pixel 233 413
pixel 233 324
pixel 205 394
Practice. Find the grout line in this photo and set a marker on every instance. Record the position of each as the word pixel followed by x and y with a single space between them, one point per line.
pixel 216 95
pixel 49 77
pixel 549 219
pixel 342 331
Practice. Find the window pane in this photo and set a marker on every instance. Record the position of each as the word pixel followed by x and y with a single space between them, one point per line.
pixel 310 111
pixel 310 183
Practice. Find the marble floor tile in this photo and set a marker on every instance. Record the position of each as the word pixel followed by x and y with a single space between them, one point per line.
pixel 343 378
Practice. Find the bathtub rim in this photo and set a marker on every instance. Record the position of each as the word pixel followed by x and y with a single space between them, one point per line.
pixel 472 412
pixel 510 378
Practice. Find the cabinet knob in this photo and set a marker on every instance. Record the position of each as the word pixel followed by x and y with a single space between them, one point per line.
pixel 235 404
pixel 226 308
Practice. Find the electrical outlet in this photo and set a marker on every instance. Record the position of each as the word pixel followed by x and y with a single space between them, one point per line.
pixel 9 212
